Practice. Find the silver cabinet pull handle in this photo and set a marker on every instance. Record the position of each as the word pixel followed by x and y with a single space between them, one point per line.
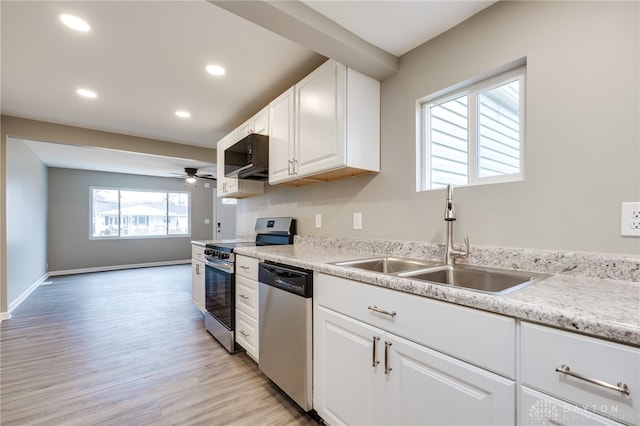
pixel 242 296
pixel 243 333
pixel 243 267
pixel 387 369
pixel 382 311
pixel 375 362
pixel 620 386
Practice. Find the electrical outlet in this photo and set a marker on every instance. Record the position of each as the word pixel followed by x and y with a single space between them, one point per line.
pixel 318 220
pixel 630 219
pixel 357 220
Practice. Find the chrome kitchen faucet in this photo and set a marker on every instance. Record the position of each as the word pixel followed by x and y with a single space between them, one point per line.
pixel 451 254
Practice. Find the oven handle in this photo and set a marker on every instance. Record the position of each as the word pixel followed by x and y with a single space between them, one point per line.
pixel 220 265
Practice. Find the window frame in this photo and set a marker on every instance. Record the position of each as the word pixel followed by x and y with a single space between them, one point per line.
pixel 471 89
pixel 134 237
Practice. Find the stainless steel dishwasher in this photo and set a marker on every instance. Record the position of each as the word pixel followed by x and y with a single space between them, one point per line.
pixel 285 329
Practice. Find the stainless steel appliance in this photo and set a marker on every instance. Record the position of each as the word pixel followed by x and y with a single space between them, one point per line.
pixel 220 282
pixel 285 345
pixel 248 158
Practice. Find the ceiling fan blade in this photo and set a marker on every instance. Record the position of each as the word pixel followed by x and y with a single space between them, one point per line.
pixel 207 177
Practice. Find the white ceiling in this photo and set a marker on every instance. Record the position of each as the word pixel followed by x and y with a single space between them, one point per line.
pixel 146 59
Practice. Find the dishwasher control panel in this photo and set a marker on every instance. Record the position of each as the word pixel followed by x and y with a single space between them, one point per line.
pixel 288 278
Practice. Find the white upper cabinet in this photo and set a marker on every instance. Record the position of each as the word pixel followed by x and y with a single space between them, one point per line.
pixel 259 123
pixel 281 146
pixel 326 127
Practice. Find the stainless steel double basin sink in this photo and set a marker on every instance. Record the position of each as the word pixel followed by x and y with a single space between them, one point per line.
pixel 478 278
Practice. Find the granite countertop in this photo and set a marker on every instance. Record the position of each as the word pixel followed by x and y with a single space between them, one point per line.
pixel 604 308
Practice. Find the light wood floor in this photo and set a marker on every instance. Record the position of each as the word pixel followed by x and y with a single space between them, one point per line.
pixel 127 348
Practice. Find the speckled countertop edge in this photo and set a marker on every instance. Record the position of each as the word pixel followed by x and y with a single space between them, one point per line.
pixel 604 308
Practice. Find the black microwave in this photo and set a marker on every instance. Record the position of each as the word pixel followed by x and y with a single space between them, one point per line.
pixel 248 158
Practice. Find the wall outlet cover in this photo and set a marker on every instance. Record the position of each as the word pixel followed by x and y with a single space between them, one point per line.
pixel 630 219
pixel 318 220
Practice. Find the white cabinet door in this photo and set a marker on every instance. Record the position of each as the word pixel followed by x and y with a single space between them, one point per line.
pixel 281 147
pixel 347 390
pixel 225 185
pixel 197 284
pixel 259 123
pixel 426 387
pixel 320 120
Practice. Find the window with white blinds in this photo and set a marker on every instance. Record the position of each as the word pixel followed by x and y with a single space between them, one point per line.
pixel 474 135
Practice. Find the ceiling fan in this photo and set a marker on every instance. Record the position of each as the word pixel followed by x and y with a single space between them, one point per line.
pixel 191 175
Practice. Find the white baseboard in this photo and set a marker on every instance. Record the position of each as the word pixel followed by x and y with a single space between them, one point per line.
pixel 117 267
pixel 4 316
pixel 26 294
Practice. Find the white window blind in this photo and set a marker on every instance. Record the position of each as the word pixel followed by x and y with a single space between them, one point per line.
pixel 474 135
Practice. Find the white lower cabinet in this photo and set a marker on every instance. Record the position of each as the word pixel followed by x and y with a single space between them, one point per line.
pixel 588 374
pixel 366 375
pixel 540 409
pixel 428 387
pixel 198 277
pixel 346 388
pixel 247 304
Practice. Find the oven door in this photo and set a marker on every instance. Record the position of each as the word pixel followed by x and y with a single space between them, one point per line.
pixel 220 303
pixel 220 292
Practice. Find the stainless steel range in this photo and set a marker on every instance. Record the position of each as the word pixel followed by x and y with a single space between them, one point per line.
pixel 220 281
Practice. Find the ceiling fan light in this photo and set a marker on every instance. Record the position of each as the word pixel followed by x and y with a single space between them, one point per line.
pixel 190 179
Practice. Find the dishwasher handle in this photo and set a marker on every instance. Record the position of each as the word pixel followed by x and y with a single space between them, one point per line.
pixel 288 278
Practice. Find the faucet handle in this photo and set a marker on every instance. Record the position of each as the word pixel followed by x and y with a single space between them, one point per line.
pixel 466 250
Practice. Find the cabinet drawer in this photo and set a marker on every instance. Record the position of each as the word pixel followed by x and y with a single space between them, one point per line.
pixel 197 253
pixel 247 296
pixel 247 333
pixel 545 349
pixel 538 409
pixel 478 337
pixel 247 267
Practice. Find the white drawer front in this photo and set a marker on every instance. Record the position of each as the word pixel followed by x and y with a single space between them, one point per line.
pixel 538 409
pixel 478 337
pixel 247 296
pixel 197 253
pixel 247 333
pixel 247 267
pixel 544 349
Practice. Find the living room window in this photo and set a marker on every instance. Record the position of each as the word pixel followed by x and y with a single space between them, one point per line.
pixel 473 133
pixel 126 213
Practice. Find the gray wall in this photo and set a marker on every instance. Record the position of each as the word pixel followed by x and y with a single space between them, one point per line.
pixel 68 243
pixel 26 215
pixel 582 137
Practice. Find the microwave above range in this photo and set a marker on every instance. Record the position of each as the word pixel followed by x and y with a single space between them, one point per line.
pixel 248 158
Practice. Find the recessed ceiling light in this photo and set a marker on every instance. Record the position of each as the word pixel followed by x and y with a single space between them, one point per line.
pixel 183 114
pixel 215 70
pixel 74 22
pixel 87 93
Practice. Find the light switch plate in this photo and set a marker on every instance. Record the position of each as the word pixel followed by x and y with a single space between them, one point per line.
pixel 357 220
pixel 318 220
pixel 630 219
